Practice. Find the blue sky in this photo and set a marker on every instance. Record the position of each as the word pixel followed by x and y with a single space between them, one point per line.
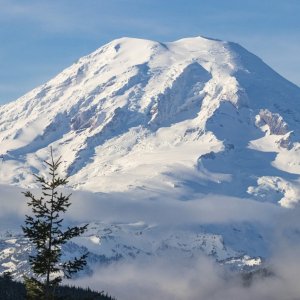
pixel 39 38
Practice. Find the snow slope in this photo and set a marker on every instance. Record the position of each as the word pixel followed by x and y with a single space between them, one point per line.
pixel 108 243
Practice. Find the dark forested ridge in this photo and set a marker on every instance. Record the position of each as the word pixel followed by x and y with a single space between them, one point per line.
pixel 12 290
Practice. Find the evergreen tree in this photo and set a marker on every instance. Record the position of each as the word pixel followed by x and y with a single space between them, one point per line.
pixel 44 229
pixel 10 290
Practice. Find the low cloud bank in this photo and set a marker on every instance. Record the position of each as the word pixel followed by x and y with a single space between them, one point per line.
pixel 167 209
pixel 174 277
pixel 199 279
pixel 150 208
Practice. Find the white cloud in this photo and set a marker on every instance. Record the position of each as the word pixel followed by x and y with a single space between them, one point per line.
pixel 175 277
pixel 198 279
pixel 152 208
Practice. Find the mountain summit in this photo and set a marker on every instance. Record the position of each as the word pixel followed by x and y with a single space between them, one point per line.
pixel 197 114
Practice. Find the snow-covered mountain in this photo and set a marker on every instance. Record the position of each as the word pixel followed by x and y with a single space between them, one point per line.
pixel 118 242
pixel 194 116
pixel 197 112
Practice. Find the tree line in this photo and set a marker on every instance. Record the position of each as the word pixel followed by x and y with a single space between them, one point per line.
pixel 13 290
